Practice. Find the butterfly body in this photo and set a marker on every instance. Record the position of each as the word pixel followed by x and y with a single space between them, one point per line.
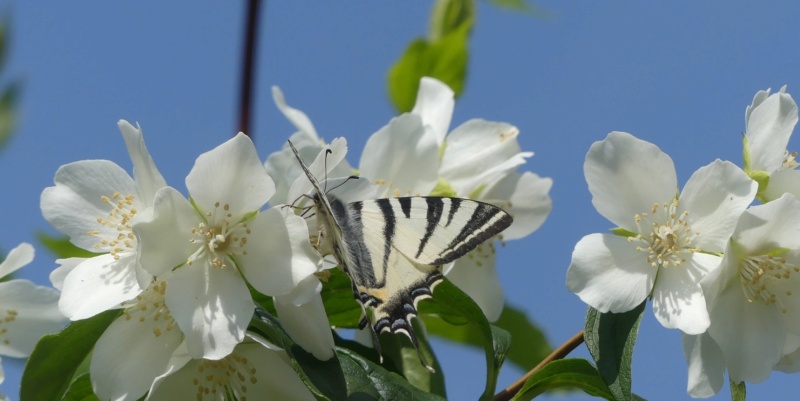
pixel 393 249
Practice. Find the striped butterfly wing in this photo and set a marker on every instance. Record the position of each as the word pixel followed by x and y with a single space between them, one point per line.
pixel 396 248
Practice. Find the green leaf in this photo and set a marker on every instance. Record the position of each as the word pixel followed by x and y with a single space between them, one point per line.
pixel 398 348
pixel 444 59
pixel 81 390
pixel 738 391
pixel 530 345
pixel 610 338
pixel 61 247
pixel 346 376
pixel 58 357
pixel 341 306
pixel 456 307
pixel 565 373
pixel 448 15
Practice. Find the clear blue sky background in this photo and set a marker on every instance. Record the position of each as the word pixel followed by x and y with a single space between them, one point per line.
pixel 678 74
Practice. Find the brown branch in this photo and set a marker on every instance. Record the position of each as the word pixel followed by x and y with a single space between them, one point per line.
pixel 558 353
pixel 248 63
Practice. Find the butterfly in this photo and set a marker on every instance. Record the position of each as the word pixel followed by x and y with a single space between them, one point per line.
pixel 393 249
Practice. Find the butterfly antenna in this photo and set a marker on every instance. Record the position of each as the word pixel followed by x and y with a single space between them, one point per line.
pixel 327 152
pixel 352 177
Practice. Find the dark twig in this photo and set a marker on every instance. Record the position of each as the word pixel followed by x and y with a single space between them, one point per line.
pixel 248 64
pixel 558 353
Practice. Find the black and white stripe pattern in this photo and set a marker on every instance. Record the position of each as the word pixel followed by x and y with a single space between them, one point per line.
pixel 393 249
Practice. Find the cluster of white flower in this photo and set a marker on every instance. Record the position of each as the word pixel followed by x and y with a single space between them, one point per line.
pixel 28 311
pixel 721 270
pixel 183 269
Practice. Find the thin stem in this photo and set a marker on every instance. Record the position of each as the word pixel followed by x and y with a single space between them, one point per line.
pixel 558 353
pixel 248 63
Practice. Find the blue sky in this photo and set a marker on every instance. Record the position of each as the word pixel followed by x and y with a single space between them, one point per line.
pixel 678 74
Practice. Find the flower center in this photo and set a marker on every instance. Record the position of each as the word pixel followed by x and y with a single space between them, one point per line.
pixel 664 235
pixel 230 374
pixel 119 219
pixel 220 237
pixel 149 307
pixel 763 276
pixel 789 161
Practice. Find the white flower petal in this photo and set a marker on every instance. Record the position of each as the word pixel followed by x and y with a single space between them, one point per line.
pixel 60 273
pixel 706 365
pixel 609 274
pixel 480 152
pixel 402 157
pixel 122 375
pixel 267 373
pixel 307 325
pixel 36 314
pixel 748 333
pixel 781 182
pixel 790 362
pixel 299 119
pixel 322 160
pixel 230 174
pixel 476 275
pixel 165 235
pixel 279 254
pixel 715 196
pixel 434 104
pixel 212 307
pixel 525 197
pixel 148 178
pixel 770 226
pixel 678 300
pixel 18 257
pixel 626 176
pixel 769 126
pixel 75 203
pixel 98 284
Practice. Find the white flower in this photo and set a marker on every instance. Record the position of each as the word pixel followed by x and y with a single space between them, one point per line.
pixel 770 120
pixel 752 299
pixel 95 202
pixel 414 155
pixel 255 369
pixel 217 240
pixel 29 311
pixel 282 166
pixel 669 239
pixel 147 326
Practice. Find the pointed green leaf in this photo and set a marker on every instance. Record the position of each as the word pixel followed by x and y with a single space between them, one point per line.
pixel 565 373
pixel 448 15
pixel 81 390
pixel 345 376
pixel 58 357
pixel 399 349
pixel 530 345
pixel 456 307
pixel 610 338
pixel 61 247
pixel 444 59
pixel 341 306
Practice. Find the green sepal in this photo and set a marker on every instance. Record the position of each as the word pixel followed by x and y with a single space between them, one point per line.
pixel 738 391
pixel 62 248
pixel 745 154
pixel 443 189
pixel 623 232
